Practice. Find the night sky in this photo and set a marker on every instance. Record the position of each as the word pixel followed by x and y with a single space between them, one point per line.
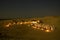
pixel 29 8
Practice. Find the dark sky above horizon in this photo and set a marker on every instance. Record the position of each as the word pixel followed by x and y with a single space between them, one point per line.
pixel 22 8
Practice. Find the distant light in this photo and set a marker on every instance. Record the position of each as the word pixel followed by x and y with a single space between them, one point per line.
pixel 47 31
pixel 25 22
pixel 33 22
pixel 7 25
pixel 21 23
pixel 38 21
